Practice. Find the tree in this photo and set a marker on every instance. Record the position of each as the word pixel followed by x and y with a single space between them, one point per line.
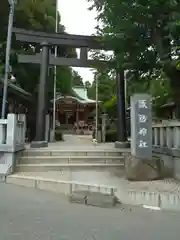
pixel 77 80
pixel 145 36
pixel 87 85
pixel 64 80
pixel 111 107
pixel 35 15
pixel 105 86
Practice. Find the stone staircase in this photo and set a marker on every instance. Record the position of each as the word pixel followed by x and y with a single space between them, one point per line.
pixel 59 160
pixel 68 171
pixel 64 171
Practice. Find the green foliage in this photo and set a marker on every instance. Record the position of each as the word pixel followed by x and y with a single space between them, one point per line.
pixel 158 86
pixel 111 135
pixel 145 38
pixel 140 30
pixel 106 86
pixel 77 80
pixel 111 107
pixel 34 15
pixel 64 80
pixel 87 85
pixel 178 65
pixel 161 92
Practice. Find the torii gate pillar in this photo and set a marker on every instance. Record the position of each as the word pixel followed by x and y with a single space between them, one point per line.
pixel 42 97
pixel 121 111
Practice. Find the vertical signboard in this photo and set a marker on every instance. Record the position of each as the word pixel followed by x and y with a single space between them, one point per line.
pixel 141 126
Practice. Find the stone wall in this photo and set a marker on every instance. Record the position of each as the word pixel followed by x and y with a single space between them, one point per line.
pixel 12 141
pixel 171 161
pixel 169 158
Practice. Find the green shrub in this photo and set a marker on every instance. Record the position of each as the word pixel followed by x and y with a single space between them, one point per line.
pixel 59 136
pixel 111 135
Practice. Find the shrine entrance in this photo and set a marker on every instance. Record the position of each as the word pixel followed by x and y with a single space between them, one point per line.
pixel 75 112
pixel 45 58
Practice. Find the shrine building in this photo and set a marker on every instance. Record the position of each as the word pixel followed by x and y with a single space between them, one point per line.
pixel 75 108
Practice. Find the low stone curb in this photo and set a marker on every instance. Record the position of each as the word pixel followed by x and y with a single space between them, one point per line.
pixel 65 187
pixel 93 199
pixel 162 200
pixel 165 200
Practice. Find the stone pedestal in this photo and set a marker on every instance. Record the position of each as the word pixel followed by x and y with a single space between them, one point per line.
pixel 137 169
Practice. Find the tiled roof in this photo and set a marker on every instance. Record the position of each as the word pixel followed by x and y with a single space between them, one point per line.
pixel 79 95
pixel 16 88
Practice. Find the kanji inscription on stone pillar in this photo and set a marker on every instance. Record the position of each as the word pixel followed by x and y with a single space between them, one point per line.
pixel 141 126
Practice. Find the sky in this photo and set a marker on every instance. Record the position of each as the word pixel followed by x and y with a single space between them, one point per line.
pixel 77 19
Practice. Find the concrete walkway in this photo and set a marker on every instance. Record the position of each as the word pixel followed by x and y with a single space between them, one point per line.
pixel 81 141
pixel 77 142
pixel 29 214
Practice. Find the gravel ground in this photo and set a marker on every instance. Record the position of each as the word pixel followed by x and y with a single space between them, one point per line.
pixel 29 214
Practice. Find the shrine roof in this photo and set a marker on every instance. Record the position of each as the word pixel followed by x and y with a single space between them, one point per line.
pixel 82 94
pixel 79 94
pixel 16 89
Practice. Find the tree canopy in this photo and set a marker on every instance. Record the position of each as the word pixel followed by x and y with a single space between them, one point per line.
pixel 77 80
pixel 35 15
pixel 145 37
pixel 106 86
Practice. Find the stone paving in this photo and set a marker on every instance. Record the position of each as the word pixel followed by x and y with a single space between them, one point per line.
pixel 77 142
pixel 29 214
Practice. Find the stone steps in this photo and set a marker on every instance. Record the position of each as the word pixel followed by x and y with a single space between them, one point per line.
pixel 74 152
pixel 71 159
pixel 63 166
pixel 44 160
pixel 58 170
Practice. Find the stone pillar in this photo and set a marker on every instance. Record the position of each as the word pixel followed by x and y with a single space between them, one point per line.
pixel 47 127
pixel 41 109
pixel 11 131
pixel 66 115
pixel 77 113
pixel 121 111
pixel 22 118
pixel 11 108
pixel 83 54
pixel 104 120
pixel 3 126
pixel 2 133
pixel 141 165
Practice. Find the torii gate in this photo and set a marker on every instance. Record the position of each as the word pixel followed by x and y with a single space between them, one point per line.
pixel 44 59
